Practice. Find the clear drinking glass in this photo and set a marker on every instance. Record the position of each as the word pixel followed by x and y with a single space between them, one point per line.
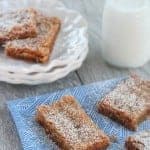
pixel 126 32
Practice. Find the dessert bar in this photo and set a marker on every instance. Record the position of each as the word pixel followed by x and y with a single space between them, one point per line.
pixel 70 127
pixel 128 103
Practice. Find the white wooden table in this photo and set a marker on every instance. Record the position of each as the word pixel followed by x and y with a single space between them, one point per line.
pixel 93 69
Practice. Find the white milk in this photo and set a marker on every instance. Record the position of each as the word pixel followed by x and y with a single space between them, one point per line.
pixel 126 32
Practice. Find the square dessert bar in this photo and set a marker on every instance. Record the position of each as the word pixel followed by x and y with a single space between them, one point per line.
pixel 138 141
pixel 38 48
pixel 17 24
pixel 70 127
pixel 128 103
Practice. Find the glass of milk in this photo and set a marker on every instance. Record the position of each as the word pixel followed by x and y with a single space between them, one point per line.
pixel 126 32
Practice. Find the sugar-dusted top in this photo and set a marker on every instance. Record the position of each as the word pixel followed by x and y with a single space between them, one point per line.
pixel 131 95
pixel 44 33
pixel 14 19
pixel 73 123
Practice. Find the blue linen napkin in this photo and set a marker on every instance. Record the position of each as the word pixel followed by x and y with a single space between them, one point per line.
pixel 32 135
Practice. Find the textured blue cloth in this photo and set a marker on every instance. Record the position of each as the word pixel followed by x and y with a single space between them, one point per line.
pixel 32 135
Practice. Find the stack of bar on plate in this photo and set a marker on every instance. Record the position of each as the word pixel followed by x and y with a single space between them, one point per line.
pixel 28 34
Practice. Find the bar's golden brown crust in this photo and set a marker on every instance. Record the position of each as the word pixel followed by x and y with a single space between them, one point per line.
pixel 139 141
pixel 70 127
pixel 18 24
pixel 36 49
pixel 128 103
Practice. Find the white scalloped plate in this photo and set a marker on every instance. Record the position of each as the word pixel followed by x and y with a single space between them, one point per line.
pixel 69 52
pixel 39 78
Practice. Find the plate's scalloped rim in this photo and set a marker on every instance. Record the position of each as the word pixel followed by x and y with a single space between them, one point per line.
pixel 54 70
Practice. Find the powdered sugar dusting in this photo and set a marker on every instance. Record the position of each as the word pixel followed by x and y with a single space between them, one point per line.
pixel 72 123
pixel 130 95
pixel 13 19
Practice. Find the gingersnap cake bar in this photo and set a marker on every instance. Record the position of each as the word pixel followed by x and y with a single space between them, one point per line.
pixel 36 49
pixel 70 127
pixel 17 24
pixel 128 103
pixel 138 141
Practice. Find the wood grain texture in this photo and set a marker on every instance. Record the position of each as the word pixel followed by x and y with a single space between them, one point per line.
pixel 93 69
